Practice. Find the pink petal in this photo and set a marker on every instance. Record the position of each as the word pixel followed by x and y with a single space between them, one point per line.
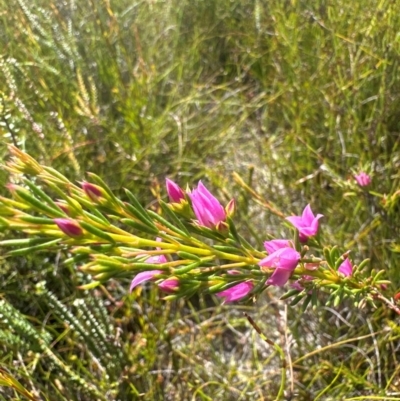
pixel 279 277
pixel 275 244
pixel 236 292
pixel 346 268
pixel 297 221
pixel 142 277
pixel 307 223
pixel 285 258
pixel 307 216
pixel 209 212
pixel 175 192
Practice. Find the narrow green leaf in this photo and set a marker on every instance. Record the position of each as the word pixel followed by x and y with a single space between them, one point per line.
pixel 143 227
pixel 56 174
pixel 99 220
pixel 166 223
pixel 187 268
pixel 135 213
pixel 306 302
pixel 361 266
pixel 327 256
pixel 102 184
pixel 289 294
pixel 95 231
pixel 37 220
pixel 39 204
pixel 23 241
pixel 297 299
pixel 25 251
pixel 233 231
pixel 170 214
pixel 90 286
pixel 138 207
pixel 218 287
pixel 227 249
pixel 186 255
pixel 41 194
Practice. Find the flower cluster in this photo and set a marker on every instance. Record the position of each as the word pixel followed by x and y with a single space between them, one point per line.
pixel 282 256
pixel 190 245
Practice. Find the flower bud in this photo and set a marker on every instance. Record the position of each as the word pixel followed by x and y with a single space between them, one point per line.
pixel 93 192
pixel 64 207
pixel 206 207
pixel 69 227
pixel 175 192
pixel 230 208
pixel 169 285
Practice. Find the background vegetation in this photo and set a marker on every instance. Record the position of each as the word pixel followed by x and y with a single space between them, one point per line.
pixel 293 95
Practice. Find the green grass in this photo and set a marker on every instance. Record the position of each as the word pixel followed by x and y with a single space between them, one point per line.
pixel 293 95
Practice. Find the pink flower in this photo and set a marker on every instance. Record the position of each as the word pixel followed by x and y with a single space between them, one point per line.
pixel 69 227
pixel 346 268
pixel 307 223
pixel 174 191
pixel 282 258
pixel 363 179
pixel 206 207
pixel 236 292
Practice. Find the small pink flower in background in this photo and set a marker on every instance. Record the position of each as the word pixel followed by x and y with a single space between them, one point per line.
pixel 69 227
pixel 283 258
pixel 307 223
pixel 174 191
pixel 363 179
pixel 206 207
pixel 236 292
pixel 346 268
